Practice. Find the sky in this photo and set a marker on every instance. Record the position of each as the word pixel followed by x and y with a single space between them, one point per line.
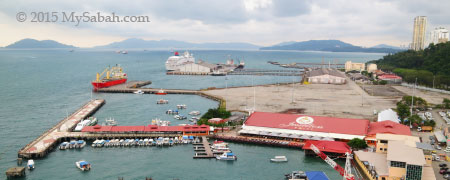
pixel 261 22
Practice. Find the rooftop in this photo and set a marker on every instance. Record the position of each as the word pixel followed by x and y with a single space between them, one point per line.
pixel 408 140
pixel 388 127
pixel 378 160
pixel 329 146
pixel 399 151
pixel 323 71
pixel 308 123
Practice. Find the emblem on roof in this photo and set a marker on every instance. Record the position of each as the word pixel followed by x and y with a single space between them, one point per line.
pixel 305 120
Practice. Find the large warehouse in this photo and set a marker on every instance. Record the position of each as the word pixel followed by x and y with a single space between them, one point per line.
pixel 325 76
pixel 304 126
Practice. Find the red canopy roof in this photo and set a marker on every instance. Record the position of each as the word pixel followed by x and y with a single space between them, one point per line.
pixel 308 123
pixel 388 127
pixel 329 146
pixel 149 128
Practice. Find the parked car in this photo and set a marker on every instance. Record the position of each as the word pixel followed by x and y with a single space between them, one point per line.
pixel 442 165
pixel 438 147
pixel 431 137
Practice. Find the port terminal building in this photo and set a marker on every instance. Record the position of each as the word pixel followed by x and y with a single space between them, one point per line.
pixel 304 127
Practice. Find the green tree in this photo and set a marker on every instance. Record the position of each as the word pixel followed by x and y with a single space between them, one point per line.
pixel 415 119
pixel 214 113
pixel 403 111
pixel 446 103
pixel 383 82
pixel 357 143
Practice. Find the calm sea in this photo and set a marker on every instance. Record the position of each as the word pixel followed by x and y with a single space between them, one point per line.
pixel 40 87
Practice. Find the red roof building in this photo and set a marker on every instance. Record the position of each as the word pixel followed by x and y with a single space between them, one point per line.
pixel 338 128
pixel 217 120
pixel 185 130
pixel 388 127
pixel 329 146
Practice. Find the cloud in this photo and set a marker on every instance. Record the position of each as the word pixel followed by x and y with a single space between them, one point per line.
pixel 263 22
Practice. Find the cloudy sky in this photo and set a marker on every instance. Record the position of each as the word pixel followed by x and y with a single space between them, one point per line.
pixel 261 22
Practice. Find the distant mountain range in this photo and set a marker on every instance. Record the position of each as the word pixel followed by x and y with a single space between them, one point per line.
pixel 135 43
pixel 168 44
pixel 328 45
pixel 386 46
pixel 32 44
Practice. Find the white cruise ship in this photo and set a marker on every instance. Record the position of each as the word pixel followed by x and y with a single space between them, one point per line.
pixel 176 61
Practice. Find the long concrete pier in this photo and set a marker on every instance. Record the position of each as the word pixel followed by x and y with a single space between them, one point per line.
pixel 45 142
pixel 133 86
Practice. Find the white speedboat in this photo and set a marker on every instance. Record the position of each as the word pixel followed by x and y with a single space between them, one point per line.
pixel 279 159
pixel 83 165
pixel 194 113
pixel 181 106
pixel 176 61
pixel 93 121
pixel 81 143
pixel 81 125
pixel 228 156
pixel 138 92
pixel 30 164
pixel 64 145
pixel 111 122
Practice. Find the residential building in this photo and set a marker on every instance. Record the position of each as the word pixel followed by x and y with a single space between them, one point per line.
pixel 439 35
pixel 371 68
pixel 349 66
pixel 397 157
pixel 325 76
pixel 420 27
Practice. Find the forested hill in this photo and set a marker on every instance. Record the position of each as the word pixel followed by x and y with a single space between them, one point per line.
pixel 432 62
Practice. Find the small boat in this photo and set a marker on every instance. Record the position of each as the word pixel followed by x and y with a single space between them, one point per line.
pixel 30 164
pixel 181 106
pixel 161 92
pixel 227 156
pixel 64 145
pixel 162 101
pixel 81 125
pixel 170 111
pixel 72 144
pixel 93 121
pixel 194 113
pixel 279 159
pixel 180 117
pixel 138 92
pixel 296 175
pixel 83 165
pixel 111 122
pixel 124 52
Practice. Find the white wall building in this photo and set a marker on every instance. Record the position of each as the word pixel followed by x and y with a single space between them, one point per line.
pixel 439 35
pixel 349 66
pixel 326 76
pixel 371 68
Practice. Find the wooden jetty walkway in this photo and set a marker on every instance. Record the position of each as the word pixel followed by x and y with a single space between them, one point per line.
pixel 45 142
pixel 203 149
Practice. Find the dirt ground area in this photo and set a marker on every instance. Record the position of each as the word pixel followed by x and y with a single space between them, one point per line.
pixel 382 90
pixel 430 97
pixel 346 101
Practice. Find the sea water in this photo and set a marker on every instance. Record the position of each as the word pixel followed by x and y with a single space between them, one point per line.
pixel 41 87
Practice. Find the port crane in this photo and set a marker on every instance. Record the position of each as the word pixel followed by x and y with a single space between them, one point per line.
pixel 115 72
pixel 346 173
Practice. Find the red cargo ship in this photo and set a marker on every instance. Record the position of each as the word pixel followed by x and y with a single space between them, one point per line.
pixel 114 76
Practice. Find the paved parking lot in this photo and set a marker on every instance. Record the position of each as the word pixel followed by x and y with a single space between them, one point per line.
pixel 440 125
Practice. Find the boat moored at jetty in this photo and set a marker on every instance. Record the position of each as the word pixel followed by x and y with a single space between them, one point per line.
pixel 81 125
pixel 114 76
pixel 181 106
pixel 30 164
pixel 83 165
pixel 64 145
pixel 227 156
pixel 161 92
pixel 138 92
pixel 176 61
pixel 111 122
